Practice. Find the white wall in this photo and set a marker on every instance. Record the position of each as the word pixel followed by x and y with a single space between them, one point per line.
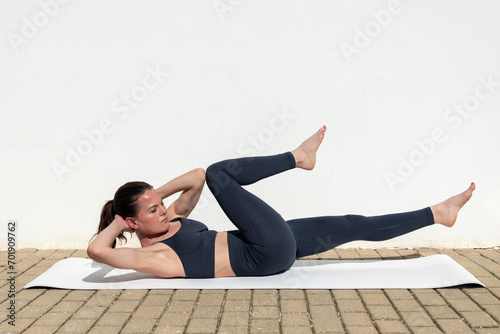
pixel 236 78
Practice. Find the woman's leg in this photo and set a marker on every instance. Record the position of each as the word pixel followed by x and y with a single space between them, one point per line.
pixel 264 244
pixel 318 234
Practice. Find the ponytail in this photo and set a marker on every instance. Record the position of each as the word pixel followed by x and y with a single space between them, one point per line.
pixel 107 216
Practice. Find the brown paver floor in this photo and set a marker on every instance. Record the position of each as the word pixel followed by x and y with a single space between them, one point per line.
pixel 463 309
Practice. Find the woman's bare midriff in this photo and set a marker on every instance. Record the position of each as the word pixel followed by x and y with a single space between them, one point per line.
pixel 222 263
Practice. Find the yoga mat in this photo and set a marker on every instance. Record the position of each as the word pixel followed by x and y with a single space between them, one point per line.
pixel 435 271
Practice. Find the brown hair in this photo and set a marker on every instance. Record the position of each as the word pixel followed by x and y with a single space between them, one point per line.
pixel 124 204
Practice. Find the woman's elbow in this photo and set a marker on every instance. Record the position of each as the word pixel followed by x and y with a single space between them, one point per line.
pixel 200 172
pixel 93 252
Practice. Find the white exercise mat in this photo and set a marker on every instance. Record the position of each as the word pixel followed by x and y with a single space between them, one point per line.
pixel 435 271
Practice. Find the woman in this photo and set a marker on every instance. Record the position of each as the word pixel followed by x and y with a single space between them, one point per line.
pixel 264 244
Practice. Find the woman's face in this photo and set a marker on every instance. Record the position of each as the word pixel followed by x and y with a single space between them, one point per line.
pixel 152 215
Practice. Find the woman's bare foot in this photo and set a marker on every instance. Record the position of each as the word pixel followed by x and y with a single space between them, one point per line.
pixel 446 212
pixel 305 154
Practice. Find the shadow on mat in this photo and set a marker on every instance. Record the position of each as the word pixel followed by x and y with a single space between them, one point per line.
pixel 99 276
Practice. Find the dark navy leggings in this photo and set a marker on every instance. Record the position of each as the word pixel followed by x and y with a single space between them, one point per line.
pixel 265 243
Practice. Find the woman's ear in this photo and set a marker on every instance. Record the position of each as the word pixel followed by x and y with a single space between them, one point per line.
pixel 132 224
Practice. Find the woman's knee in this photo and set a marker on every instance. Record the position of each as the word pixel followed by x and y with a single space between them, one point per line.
pixel 216 177
pixel 212 170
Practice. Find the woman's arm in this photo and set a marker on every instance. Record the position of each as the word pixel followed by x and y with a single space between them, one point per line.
pixel 100 250
pixel 106 237
pixel 191 184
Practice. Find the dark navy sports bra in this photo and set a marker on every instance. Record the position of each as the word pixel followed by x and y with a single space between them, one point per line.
pixel 194 243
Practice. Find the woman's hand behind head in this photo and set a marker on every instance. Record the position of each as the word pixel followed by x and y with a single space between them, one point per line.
pixel 119 220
